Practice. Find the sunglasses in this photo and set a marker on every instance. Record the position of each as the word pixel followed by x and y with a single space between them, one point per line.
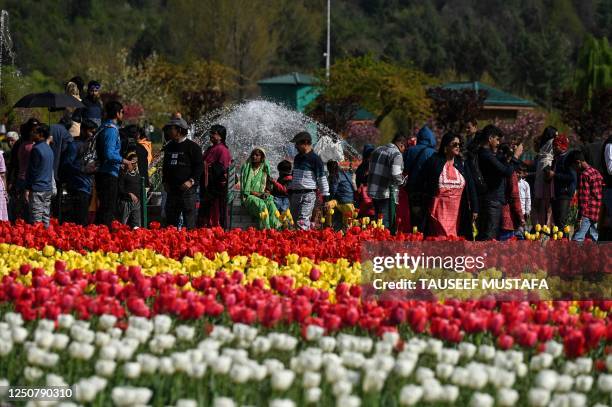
pixel 455 144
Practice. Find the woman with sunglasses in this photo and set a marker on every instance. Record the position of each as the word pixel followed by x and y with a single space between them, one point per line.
pixel 449 192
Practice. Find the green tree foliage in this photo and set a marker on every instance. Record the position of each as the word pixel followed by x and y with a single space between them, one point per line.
pixel 453 108
pixel 594 68
pixel 377 86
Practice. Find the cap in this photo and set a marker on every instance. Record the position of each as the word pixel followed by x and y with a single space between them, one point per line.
pixel 302 136
pixel 181 123
pixel 93 84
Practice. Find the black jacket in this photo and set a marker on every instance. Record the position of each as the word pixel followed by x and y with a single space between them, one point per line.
pixel 469 199
pixel 494 172
pixel 565 178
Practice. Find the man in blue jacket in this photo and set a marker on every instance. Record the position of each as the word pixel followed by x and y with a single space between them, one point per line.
pixel 414 159
pixel 108 147
pixel 39 177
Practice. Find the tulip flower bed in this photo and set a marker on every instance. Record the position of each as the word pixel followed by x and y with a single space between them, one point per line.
pixel 207 317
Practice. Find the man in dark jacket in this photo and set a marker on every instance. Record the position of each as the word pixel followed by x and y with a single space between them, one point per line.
pixel 93 105
pixel 494 172
pixel 182 168
pixel 564 179
pixel 414 159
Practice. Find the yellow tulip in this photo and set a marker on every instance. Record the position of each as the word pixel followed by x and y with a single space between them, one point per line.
pixel 538 227
pixel 415 229
pixel 331 211
pixel 555 229
pixel 566 229
pixel 322 220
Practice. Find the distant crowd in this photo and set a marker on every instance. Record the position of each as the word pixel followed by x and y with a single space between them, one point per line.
pixel 472 185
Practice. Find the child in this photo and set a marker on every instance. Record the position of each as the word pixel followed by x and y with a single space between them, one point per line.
pixel 342 191
pixel 39 176
pixel 129 191
pixel 590 187
pixel 279 187
pixel 525 193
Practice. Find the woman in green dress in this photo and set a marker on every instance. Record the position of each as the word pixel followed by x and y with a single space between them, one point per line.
pixel 256 197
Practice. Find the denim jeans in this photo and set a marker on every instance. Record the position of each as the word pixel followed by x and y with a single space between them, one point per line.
pixel 586 226
pixel 40 207
pixel 282 203
pixel 383 207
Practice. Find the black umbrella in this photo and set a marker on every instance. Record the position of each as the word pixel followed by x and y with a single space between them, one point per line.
pixel 50 100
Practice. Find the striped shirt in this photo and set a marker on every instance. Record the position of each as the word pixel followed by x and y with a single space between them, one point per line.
pixel 309 173
pixel 386 167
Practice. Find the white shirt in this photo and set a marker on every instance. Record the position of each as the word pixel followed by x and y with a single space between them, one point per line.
pixel 525 195
pixel 608 158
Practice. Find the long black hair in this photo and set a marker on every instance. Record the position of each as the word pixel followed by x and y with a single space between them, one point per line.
pixel 220 130
pixel 333 169
pixel 549 133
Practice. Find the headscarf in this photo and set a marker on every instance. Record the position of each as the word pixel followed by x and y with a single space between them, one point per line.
pixel 252 180
pixel 561 142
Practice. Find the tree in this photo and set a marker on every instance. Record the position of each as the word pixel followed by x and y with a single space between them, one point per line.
pixel 593 69
pixel 527 127
pixel 453 108
pixel 377 86
pixel 589 122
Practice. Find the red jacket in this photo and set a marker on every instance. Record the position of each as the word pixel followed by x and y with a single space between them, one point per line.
pixel 511 212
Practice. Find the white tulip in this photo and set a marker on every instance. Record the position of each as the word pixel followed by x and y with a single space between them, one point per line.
pixel 444 371
pixel 477 377
pixel 80 334
pixel 424 373
pixel 507 397
pixel 132 370
pixel 14 319
pixel 554 348
pixel 373 381
pixel 584 383
pixel 460 377
pixel 140 335
pixel 404 367
pixel 106 322
pixel 84 392
pixel 352 359
pixel 364 344
pixel 434 390
pixel 142 323
pixel 261 345
pixel 166 366
pixel 4 385
pixel 521 370
pixel 185 333
pixel 282 380
pixel 195 355
pixel 570 368
pixel 197 370
pixel 313 395
pixel 584 365
pixel 564 383
pixel 43 339
pixel 541 361
pixel 83 351
pixel 449 356
pixel 222 402
pixel 383 348
pixel 486 352
pixel 222 334
pixel 547 379
pixel 577 399
pixel 258 372
pixel 273 364
pixel 327 344
pixel 129 396
pixel 193 403
pixel 342 387
pixel 162 324
pixel 467 350
pixel 60 341
pixel 450 393
pixel 240 373
pixel 481 400
pixel 65 321
pixel 108 352
pixel 335 373
pixel 102 338
pixel 105 368
pixel 502 379
pixel 604 383
pixel 311 380
pixel 353 376
pixel 125 351
pixel 115 333
pixel 434 346
pixel 311 360
pixel 6 347
pixel 222 365
pixel 384 362
pixel 348 401
pixel 19 334
pixel 148 363
pixel 55 380
pixel 244 332
pixel 391 338
pixel 32 374
pixel 538 397
pixel 282 403
pixel 410 395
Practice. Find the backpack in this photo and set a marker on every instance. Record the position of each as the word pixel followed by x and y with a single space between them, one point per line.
pixel 94 153
pixel 471 162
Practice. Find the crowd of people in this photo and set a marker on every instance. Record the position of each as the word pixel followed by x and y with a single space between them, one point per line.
pixel 472 185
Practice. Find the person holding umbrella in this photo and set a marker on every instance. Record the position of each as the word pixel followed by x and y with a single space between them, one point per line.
pixel 108 146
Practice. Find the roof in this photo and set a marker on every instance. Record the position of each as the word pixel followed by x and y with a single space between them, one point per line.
pixel 293 78
pixel 495 96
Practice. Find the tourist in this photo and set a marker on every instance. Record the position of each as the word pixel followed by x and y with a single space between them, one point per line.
pixel 512 214
pixel 471 128
pixel 213 185
pixel 144 141
pixel 3 190
pixel 20 154
pixel 606 159
pixel 524 193
pixel 73 115
pixel 342 191
pixel 279 190
pixel 60 137
pixel 590 190
pixel 254 190
pixel 181 172
pixel 448 191
pixel 385 176
pixel 414 159
pixel 542 188
pixel 79 179
pixel 80 85
pixel 564 181
pixel 308 176
pixel 494 173
pixel 108 146
pixel 93 104
pixel 362 199
pixel 11 139
pixel 129 142
pixel 39 176
pixel 129 191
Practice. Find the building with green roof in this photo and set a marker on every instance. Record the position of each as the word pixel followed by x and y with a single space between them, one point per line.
pixel 294 90
pixel 498 104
